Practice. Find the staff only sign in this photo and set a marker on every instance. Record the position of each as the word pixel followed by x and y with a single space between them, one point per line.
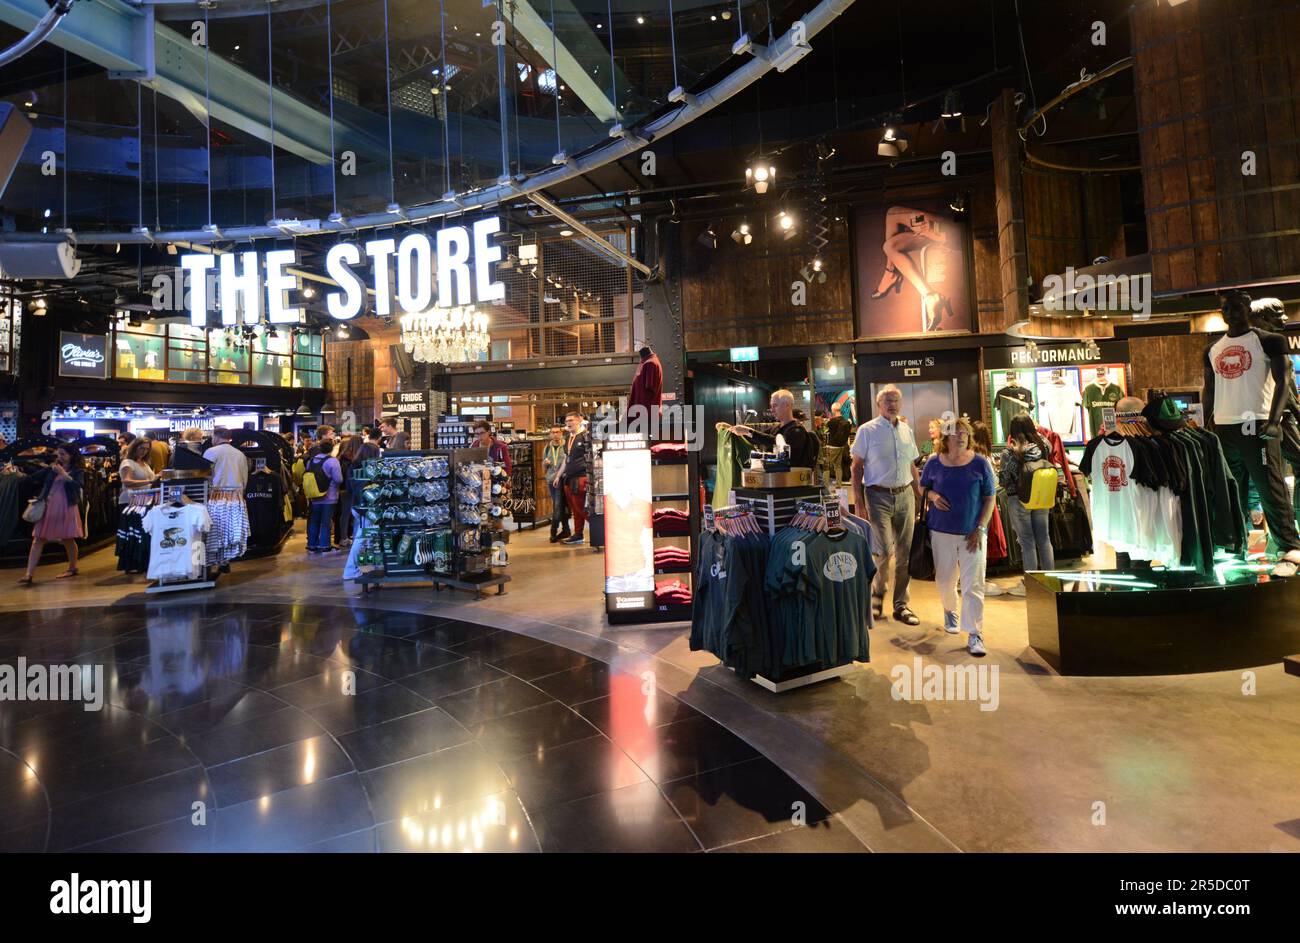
pixel 459 258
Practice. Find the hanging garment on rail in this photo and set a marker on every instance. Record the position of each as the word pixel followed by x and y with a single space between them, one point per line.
pixel 730 615
pixel 822 586
pixel 132 541
pixel 177 538
pixel 264 500
pixel 230 531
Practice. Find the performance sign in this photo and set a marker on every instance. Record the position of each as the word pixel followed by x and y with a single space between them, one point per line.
pixel 459 259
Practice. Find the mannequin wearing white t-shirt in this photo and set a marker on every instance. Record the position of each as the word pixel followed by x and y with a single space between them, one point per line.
pixel 1246 399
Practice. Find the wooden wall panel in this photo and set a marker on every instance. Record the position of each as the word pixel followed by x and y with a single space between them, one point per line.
pixel 1215 79
pixel 1170 362
pixel 1071 219
pixel 1010 203
pixel 740 296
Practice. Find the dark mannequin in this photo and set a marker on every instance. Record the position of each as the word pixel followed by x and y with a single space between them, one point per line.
pixel 1252 445
pixel 1236 312
pixel 1268 314
pixel 648 384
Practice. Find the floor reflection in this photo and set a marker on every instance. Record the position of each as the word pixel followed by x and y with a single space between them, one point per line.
pixel 299 727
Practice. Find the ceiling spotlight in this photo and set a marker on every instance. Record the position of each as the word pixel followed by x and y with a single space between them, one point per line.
pixel 713 18
pixel 786 223
pixel 308 291
pixel 640 21
pixel 812 272
pixel 741 235
pixel 951 112
pixel 825 151
pixel 709 238
pixel 760 175
pixel 566 232
pixel 893 143
pixel 958 204
pixel 726 14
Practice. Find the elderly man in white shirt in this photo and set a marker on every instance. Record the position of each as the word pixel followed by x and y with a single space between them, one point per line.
pixel 886 487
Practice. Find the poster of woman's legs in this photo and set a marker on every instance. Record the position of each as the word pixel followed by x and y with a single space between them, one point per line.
pixel 911 272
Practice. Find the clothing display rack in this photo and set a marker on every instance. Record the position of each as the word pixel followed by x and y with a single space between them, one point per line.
pixel 422 521
pixel 747 621
pixel 270 482
pixel 193 489
pixel 775 507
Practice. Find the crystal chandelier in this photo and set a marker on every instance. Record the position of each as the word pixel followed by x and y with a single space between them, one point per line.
pixel 446 335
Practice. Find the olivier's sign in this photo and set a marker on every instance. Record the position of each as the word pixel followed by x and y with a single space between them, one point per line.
pixel 82 355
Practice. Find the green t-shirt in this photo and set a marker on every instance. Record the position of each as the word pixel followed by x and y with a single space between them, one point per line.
pixel 1095 399
pixel 733 456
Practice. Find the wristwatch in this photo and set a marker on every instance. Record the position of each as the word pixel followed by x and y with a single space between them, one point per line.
pixel 984 529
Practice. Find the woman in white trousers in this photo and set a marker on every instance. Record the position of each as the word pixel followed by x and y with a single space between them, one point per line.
pixel 959 490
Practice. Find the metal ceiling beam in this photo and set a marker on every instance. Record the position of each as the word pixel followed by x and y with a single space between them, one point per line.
pixel 530 24
pixel 130 44
pixel 603 244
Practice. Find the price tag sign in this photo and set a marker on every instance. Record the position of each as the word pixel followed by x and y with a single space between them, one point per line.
pixel 708 516
pixel 833 514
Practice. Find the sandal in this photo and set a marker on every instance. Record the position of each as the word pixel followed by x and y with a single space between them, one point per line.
pixel 66 574
pixel 906 616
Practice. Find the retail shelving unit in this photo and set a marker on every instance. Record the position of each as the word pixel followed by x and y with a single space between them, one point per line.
pixel 665 481
pixel 401 525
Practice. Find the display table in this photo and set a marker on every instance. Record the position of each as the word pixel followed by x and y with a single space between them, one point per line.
pixel 1150 622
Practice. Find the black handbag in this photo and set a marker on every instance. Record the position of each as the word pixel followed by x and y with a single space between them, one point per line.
pixel 920 564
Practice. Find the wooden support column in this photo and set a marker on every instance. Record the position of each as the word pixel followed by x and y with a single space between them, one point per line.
pixel 1010 196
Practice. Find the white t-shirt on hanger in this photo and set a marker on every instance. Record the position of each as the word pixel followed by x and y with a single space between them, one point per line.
pixel 177 550
pixel 1059 410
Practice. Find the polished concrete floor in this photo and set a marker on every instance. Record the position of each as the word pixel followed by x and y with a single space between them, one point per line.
pixel 265 727
pixel 669 751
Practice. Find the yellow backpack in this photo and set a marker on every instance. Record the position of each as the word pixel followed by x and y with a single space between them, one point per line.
pixel 1038 483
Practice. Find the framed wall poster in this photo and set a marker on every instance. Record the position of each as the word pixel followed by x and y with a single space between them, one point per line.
pixel 911 272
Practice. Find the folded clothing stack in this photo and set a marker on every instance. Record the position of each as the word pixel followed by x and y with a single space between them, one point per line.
pixel 668 452
pixel 670 522
pixel 666 557
pixel 672 592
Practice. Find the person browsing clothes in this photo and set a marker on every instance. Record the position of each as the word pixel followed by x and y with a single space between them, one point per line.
pixel 804 445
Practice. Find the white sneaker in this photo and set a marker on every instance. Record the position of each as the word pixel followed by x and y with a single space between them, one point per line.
pixel 1017 590
pixel 950 623
pixel 993 589
pixel 975 645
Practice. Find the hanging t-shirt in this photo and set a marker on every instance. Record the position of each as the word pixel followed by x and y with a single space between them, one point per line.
pixel 1243 378
pixel 1096 398
pixel 177 547
pixel 733 456
pixel 1010 402
pixel 1118 510
pixel 265 498
pixel 1060 411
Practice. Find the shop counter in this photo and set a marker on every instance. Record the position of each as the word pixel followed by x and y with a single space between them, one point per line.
pixel 1153 622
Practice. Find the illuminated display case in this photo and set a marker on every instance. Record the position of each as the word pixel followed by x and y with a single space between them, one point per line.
pixel 11 323
pixel 179 353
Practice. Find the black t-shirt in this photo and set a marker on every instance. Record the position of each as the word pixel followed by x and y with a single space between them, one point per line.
pixel 265 498
pixel 838 431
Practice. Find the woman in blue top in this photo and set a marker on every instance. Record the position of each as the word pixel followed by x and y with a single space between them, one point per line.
pixel 959 491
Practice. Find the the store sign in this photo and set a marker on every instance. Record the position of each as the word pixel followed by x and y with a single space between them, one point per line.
pixel 83 355
pixel 744 354
pixel 250 281
pixel 1055 355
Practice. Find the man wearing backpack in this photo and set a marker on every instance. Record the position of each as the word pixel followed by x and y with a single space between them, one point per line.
pixel 1030 480
pixel 321 479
